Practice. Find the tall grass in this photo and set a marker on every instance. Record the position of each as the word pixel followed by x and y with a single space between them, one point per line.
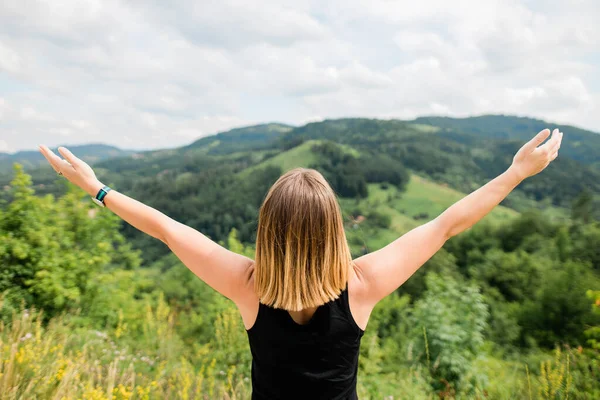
pixel 60 361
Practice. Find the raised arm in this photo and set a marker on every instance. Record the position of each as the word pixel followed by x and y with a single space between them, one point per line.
pixel 384 270
pixel 225 271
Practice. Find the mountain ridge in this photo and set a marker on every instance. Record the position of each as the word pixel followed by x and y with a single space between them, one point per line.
pixel 89 152
pixel 463 153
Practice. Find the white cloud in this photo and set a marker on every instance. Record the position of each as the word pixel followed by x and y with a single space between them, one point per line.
pixel 9 59
pixel 4 148
pixel 3 108
pixel 151 74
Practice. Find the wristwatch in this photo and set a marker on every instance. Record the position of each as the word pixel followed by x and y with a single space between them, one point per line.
pixel 99 199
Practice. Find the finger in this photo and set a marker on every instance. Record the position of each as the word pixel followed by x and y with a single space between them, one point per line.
pixel 557 147
pixel 57 163
pixel 550 146
pixel 50 156
pixel 537 139
pixel 66 153
pixel 560 139
pixel 555 136
pixel 558 143
pixel 550 143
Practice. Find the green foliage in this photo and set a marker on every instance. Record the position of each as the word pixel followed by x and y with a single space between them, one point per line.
pixel 298 156
pixel 534 275
pixel 49 248
pixel 519 128
pixel 64 360
pixel 523 229
pixel 593 333
pixel 378 168
pixel 196 304
pixel 560 311
pixel 214 202
pixel 236 246
pixel 582 208
pixel 349 174
pixel 230 346
pixel 449 323
pixel 586 244
pixel 117 296
pixel 555 378
pixel 241 139
pixel 378 219
pixel 341 170
pixel 514 275
pixel 442 263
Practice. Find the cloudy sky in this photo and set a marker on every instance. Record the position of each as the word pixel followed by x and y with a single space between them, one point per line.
pixel 154 74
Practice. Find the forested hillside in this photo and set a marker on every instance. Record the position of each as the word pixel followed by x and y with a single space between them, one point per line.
pixel 582 146
pixel 462 154
pixel 508 309
pixel 31 159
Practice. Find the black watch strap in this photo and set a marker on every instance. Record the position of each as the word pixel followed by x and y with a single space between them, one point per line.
pixel 102 194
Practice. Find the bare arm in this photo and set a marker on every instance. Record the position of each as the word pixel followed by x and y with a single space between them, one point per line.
pixel 384 270
pixel 467 211
pixel 225 271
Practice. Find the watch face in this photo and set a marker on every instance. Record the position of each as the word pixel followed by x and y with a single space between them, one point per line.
pixel 101 204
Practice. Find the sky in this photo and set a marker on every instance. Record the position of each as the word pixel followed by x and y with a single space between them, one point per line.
pixel 160 74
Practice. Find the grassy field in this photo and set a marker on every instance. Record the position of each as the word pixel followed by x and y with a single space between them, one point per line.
pixel 426 197
pixel 299 156
pixel 422 201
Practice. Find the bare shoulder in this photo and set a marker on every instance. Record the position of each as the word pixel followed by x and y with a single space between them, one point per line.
pixel 247 300
pixel 361 304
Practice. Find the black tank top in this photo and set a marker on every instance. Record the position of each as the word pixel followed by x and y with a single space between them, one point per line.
pixel 317 360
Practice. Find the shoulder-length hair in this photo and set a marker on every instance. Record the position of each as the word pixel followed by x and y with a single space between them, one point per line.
pixel 302 257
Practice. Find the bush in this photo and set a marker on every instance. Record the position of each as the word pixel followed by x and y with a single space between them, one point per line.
pixel 449 322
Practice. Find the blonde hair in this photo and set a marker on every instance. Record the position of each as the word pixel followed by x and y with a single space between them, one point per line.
pixel 302 257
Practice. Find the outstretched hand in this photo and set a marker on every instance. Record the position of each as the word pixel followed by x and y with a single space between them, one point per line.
pixel 74 169
pixel 531 159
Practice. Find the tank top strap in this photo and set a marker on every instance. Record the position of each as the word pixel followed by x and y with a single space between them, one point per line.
pixel 344 303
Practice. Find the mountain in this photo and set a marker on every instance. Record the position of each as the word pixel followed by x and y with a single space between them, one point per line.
pixel 395 173
pixel 241 139
pixel 33 158
pixel 579 144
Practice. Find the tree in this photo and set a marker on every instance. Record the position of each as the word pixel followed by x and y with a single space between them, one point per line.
pixel 581 208
pixel 236 246
pixel 50 248
pixel 593 333
pixel 560 312
pixel 451 317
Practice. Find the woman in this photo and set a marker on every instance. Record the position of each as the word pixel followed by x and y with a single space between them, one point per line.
pixel 304 302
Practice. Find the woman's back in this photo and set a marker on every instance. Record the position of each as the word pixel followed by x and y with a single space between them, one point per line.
pixel 316 360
